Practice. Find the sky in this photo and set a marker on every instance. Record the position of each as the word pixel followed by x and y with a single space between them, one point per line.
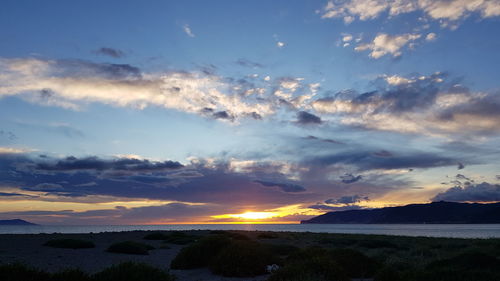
pixel 166 112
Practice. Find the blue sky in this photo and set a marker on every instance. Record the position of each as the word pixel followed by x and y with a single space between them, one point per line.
pixel 287 108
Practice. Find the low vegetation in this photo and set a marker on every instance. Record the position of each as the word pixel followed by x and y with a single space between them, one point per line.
pixel 128 271
pixel 69 243
pixel 130 247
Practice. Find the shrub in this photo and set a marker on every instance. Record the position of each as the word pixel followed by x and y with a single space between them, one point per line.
pixel 70 243
pixel 199 254
pixel 242 259
pixel 355 264
pixel 130 271
pixel 71 274
pixel 18 272
pixel 130 247
pixel 374 244
pixel 156 236
pixel 388 274
pixel 320 268
pixel 180 238
pixel 282 249
pixel 267 235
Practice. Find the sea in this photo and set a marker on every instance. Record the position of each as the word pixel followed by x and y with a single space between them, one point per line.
pixel 426 230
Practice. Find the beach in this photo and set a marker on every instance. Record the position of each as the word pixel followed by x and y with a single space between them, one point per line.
pixel 416 253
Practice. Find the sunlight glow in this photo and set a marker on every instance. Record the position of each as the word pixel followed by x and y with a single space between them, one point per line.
pixel 248 216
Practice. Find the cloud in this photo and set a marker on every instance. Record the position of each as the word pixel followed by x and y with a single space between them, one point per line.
pixel 483 192
pixel 249 63
pixel 365 160
pixel 347 200
pixel 287 187
pixel 384 44
pixel 430 105
pixel 280 44
pixel 93 163
pixel 73 83
pixel 7 135
pixel 328 208
pixel 447 10
pixel 110 52
pixel 188 30
pixel 350 178
pixel 431 36
pixel 305 118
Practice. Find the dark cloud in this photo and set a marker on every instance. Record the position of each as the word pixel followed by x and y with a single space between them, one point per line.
pixel 483 192
pixel 10 194
pixel 73 178
pixel 347 200
pixel 81 68
pixel 223 115
pixel 248 63
pixel 323 140
pixel 306 118
pixel 110 52
pixel 72 163
pixel 350 178
pixel 370 161
pixel 287 187
pixel 328 208
pixel 7 135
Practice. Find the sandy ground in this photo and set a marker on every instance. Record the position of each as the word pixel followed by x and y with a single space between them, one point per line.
pixel 29 249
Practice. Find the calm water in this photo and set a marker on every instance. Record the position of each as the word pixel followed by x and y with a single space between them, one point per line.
pixel 431 230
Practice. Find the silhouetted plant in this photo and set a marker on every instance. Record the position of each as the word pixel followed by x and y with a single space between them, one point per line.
pixel 18 272
pixel 156 236
pixel 355 263
pixel 242 259
pixel 180 238
pixel 319 268
pixel 130 271
pixel 130 247
pixel 199 254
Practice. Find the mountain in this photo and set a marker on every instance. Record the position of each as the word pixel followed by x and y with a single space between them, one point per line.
pixel 436 212
pixel 15 222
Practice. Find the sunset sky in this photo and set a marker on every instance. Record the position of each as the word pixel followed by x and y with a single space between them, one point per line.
pixel 156 112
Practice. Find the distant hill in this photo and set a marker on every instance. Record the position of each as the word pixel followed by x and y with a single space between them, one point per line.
pixel 15 222
pixel 436 212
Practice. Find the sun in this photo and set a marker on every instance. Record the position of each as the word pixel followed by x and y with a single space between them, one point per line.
pixel 248 215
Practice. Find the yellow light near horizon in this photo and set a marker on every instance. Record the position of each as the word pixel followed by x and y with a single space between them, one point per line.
pixel 248 216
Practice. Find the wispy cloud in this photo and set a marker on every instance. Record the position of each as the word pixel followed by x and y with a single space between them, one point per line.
pixel 188 30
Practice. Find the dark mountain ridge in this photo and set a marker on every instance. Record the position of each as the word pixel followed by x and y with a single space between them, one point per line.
pixel 435 212
pixel 15 222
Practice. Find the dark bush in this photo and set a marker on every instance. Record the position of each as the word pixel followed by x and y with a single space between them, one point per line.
pixel 130 247
pixel 180 238
pixel 355 264
pixel 320 268
pixel 374 244
pixel 131 271
pixel 468 261
pixel 200 253
pixel 282 249
pixel 71 275
pixel 388 274
pixel 242 259
pixel 70 243
pixel 18 272
pixel 306 254
pixel 267 235
pixel 156 236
